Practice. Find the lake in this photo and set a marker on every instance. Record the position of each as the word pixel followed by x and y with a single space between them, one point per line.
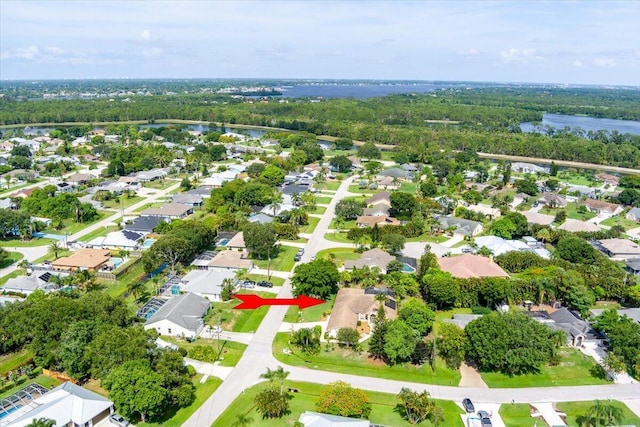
pixel 559 121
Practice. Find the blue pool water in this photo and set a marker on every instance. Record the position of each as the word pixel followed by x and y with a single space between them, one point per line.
pixel 117 262
pixel 49 236
pixel 223 242
pixel 407 268
pixel 147 243
pixel 9 411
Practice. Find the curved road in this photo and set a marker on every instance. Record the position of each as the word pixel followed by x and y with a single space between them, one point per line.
pixel 259 356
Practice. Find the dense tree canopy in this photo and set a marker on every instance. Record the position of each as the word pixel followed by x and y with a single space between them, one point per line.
pixel 317 278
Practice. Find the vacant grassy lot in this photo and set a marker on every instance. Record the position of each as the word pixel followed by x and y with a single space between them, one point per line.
pixel 36 241
pixel 311 314
pixel 283 262
pixel 102 231
pixel 313 222
pixel 382 408
pixel 338 237
pixel 573 369
pixel 572 212
pixel 338 255
pixel 348 362
pixel 346 225
pixel 578 409
pixel 328 185
pixel 323 200
pixel 230 351
pixel 11 259
pixel 11 361
pixel 516 415
pixel 627 224
pixel 238 320
pixel 123 202
pixel 177 418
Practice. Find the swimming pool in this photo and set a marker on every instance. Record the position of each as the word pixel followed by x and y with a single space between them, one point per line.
pixel 117 262
pixel 147 243
pixel 407 268
pixel 223 242
pixel 8 411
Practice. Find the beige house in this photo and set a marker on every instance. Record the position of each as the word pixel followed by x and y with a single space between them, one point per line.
pixel 575 225
pixel 169 210
pixel 603 209
pixel 471 266
pixel 369 221
pixel 371 258
pixel 84 259
pixel 231 260
pixel 353 305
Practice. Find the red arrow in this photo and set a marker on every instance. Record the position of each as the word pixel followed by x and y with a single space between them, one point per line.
pixel 251 301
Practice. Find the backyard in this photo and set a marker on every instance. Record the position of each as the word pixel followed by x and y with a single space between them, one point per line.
pixel 382 409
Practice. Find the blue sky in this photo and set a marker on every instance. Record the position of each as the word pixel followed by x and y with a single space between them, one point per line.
pixel 581 42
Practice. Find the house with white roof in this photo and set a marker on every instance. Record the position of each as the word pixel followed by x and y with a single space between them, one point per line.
pixel 207 283
pixel 180 316
pixel 122 239
pixel 498 246
pixel 67 404
pixel 317 419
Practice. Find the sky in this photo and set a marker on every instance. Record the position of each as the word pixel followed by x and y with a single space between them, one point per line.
pixel 572 42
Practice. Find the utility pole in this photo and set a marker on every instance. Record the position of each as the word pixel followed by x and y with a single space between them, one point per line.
pixel 219 332
pixel 269 263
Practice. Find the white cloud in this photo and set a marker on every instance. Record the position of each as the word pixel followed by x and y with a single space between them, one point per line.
pixel 30 52
pixel 578 63
pixel 145 35
pixel 604 62
pixel 520 56
pixel 152 52
pixel 469 52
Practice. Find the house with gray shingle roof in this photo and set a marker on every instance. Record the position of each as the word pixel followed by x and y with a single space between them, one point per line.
pixel 192 200
pixel 461 225
pixel 633 214
pixel 180 316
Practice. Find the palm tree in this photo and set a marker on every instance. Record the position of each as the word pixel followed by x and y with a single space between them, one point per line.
pixel 276 202
pixel 543 235
pixel 54 247
pixel 242 420
pixel 241 274
pixel 42 422
pixel 277 374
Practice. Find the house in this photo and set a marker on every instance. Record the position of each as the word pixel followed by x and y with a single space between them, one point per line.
pixel 408 167
pixel 498 245
pixel 169 210
pixel 467 266
pixel 603 209
pixel 633 214
pixel 28 284
pixel 618 249
pixel 383 197
pixel 203 190
pixel 88 198
pixel 145 224
pixel 317 419
pixel 372 258
pixel 538 218
pixel 370 221
pixel 67 405
pixel 64 187
pixel 283 207
pixel 261 218
pixel 207 283
pixel 395 173
pixel 231 260
pixel 7 204
pixel 25 192
pixel 379 209
pixel 633 266
pixel 151 175
pixel 461 225
pixel 386 182
pixel 553 200
pixel 236 136
pixel 485 210
pixel 612 180
pixel 578 331
pixel 575 225
pixel 353 305
pixel 193 200
pixel 122 239
pixel 84 259
pixel 180 316
pixel 631 313
pixel 216 180
pixel 80 178
pixel 236 242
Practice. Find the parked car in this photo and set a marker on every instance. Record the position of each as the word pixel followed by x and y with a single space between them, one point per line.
pixel 248 284
pixel 297 258
pixel 467 404
pixel 485 419
pixel 118 420
pixel 301 251
pixel 265 284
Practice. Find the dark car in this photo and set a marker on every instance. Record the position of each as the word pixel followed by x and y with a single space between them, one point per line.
pixel 468 406
pixel 265 284
pixel 248 284
pixel 485 419
pixel 300 251
pixel 297 258
pixel 118 420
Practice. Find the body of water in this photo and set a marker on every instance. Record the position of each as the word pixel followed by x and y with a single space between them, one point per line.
pixel 560 121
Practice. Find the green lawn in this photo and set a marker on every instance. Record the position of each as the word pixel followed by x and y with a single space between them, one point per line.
pixel 572 212
pixel 126 202
pixel 11 361
pixel 319 210
pixel 578 409
pixel 149 205
pixel 311 314
pixel 517 415
pixel 230 351
pixel 72 227
pixel 13 189
pixel 177 418
pixel 409 187
pixel 11 275
pixel 338 237
pixel 277 281
pixel 11 259
pixel 348 362
pixel 328 185
pixel 382 408
pixel 574 369
pixel 430 238
pixel 239 320
pixel 355 188
pixel 346 225
pixel 622 221
pixel 323 200
pixel 25 243
pixel 340 255
pixel 119 287
pixel 43 380
pixel 99 232
pixel 283 262
pixel 160 184
pixel 313 222
pixel 575 179
pixel 50 256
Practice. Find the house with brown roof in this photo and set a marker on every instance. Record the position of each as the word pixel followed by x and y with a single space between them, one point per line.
pixel 553 200
pixel 471 266
pixel 84 259
pixel 169 210
pixel 575 225
pixel 612 180
pixel 382 197
pixel 372 258
pixel 80 178
pixel 369 221
pixel 603 209
pixel 231 260
pixel 353 305
pixel 538 218
pixel 25 192
pixel 236 242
